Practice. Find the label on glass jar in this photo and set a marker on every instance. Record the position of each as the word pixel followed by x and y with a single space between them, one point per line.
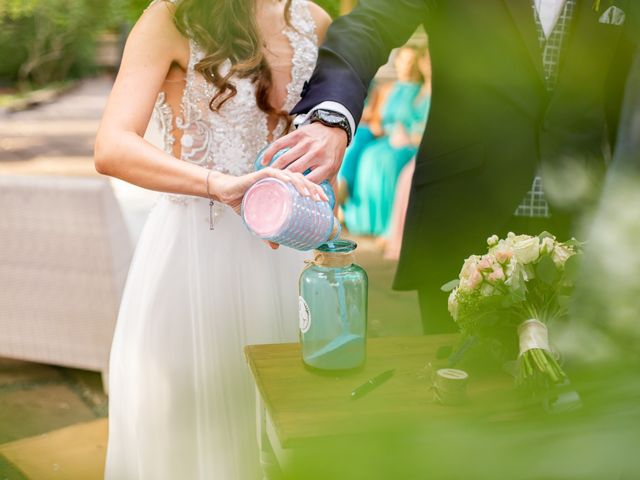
pixel 305 315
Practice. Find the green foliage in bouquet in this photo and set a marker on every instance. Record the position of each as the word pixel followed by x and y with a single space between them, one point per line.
pixel 522 284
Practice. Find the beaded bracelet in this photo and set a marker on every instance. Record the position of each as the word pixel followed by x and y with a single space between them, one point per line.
pixel 211 202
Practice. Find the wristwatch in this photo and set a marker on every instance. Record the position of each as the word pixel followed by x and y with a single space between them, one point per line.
pixel 331 119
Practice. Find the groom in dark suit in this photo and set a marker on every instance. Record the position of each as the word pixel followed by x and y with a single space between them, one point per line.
pixel 526 94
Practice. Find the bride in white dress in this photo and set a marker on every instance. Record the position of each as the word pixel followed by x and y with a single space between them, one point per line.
pixel 219 76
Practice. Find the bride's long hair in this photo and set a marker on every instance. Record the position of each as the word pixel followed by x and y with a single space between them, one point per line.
pixel 227 30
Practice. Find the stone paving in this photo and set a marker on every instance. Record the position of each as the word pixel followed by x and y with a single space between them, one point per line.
pixel 52 419
pixel 36 399
pixel 56 138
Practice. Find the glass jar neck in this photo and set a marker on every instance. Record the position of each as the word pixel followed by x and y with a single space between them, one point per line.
pixel 334 259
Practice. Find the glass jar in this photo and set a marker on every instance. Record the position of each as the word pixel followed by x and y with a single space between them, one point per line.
pixel 326 186
pixel 274 210
pixel 333 308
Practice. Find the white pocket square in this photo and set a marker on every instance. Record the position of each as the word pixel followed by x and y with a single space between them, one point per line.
pixel 612 16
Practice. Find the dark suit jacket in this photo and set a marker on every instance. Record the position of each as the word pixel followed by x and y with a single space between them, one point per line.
pixel 627 155
pixel 492 123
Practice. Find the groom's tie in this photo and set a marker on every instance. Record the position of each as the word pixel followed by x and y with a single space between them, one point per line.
pixel 534 203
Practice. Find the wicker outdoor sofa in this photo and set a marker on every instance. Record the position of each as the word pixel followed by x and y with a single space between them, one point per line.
pixel 64 255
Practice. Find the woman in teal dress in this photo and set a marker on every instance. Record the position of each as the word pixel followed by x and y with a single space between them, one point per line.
pixel 370 204
pixel 393 240
pixel 369 129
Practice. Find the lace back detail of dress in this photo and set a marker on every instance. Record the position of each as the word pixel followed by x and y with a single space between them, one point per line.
pixel 303 38
pixel 229 140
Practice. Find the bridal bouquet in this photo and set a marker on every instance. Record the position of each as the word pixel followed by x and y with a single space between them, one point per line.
pixel 520 285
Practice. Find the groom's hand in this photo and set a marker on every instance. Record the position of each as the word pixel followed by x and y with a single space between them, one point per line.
pixel 313 146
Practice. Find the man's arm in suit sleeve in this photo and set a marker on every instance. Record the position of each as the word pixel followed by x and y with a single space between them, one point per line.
pixel 356 46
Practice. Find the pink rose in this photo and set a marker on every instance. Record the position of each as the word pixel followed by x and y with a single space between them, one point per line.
pixel 471 281
pixel 486 263
pixel 503 256
pixel 475 279
pixel 496 275
pixel 470 265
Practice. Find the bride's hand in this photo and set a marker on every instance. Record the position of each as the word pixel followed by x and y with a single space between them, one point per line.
pixel 230 189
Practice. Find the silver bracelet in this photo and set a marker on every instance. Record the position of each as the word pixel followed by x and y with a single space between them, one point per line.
pixel 211 202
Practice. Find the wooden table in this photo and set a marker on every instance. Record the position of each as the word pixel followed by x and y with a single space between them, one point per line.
pixel 300 408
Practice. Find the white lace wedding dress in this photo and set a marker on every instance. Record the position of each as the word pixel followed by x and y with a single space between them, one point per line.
pixel 181 396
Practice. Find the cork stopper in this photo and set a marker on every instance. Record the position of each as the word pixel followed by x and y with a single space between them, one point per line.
pixel 336 254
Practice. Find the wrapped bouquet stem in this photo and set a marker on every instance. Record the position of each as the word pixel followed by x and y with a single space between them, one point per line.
pixel 538 366
pixel 520 285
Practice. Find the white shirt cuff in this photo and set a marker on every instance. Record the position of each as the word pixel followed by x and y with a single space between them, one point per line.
pixel 331 106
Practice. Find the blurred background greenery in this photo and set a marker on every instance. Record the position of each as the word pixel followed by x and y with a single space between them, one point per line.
pixel 46 42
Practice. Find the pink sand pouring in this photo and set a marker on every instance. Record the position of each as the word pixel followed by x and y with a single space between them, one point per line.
pixel 274 210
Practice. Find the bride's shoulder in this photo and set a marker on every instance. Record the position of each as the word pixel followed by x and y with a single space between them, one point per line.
pixel 156 28
pixel 159 16
pixel 320 17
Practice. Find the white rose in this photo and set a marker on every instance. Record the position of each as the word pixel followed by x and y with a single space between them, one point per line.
pixel 527 249
pixel 493 240
pixel 547 245
pixel 561 254
pixel 453 304
pixel 511 267
pixel 513 273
